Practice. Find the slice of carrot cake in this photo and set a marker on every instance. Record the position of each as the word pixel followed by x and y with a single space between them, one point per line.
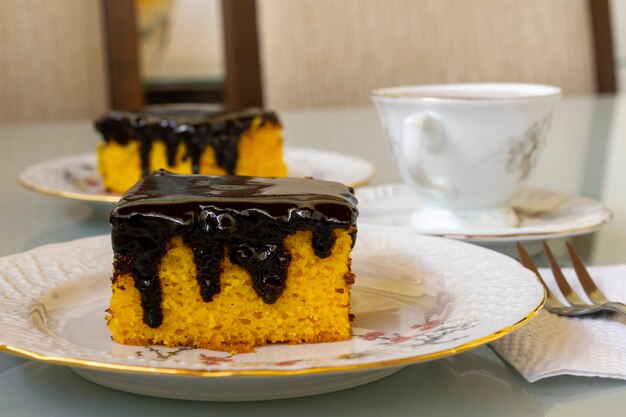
pixel 188 141
pixel 230 263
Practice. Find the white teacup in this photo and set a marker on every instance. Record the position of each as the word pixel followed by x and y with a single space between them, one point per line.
pixel 466 148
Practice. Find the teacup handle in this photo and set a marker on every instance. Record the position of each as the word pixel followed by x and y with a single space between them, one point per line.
pixel 421 130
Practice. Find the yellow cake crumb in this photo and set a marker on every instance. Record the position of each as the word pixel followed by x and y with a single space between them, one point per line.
pixel 259 154
pixel 314 307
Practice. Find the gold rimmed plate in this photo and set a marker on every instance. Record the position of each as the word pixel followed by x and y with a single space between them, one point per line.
pixel 76 176
pixel 415 299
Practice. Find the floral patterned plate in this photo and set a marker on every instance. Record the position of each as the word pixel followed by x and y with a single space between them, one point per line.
pixel 416 298
pixel 76 176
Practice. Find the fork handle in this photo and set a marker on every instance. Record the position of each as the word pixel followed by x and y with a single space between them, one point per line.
pixel 616 307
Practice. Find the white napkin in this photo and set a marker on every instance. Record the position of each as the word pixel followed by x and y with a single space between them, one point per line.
pixel 552 345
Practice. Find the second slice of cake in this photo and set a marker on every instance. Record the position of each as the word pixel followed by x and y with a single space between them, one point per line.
pixel 188 140
pixel 231 263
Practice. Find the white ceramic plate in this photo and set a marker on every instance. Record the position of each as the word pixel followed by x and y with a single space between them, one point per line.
pixel 77 177
pixel 415 299
pixel 544 214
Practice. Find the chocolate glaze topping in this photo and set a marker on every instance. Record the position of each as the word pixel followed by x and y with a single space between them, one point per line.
pixel 196 127
pixel 251 216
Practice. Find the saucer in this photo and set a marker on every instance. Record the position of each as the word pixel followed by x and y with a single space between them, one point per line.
pixel 543 214
pixel 416 298
pixel 76 177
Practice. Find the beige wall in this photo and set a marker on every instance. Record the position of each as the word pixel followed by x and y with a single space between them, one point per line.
pixel 52 63
pixel 334 52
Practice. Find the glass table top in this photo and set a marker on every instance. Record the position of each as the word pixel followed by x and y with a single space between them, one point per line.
pixel 583 156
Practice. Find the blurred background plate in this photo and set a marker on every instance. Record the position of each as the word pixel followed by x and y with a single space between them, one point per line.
pixel 76 176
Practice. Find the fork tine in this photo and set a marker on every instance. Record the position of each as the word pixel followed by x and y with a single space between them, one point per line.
pixel 526 260
pixel 567 291
pixel 592 291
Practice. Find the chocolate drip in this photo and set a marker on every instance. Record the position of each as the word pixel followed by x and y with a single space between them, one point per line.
pixel 267 265
pixel 214 213
pixel 208 256
pixel 140 253
pixel 196 129
pixel 322 241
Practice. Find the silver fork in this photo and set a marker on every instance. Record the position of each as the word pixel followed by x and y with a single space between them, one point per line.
pixel 577 306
